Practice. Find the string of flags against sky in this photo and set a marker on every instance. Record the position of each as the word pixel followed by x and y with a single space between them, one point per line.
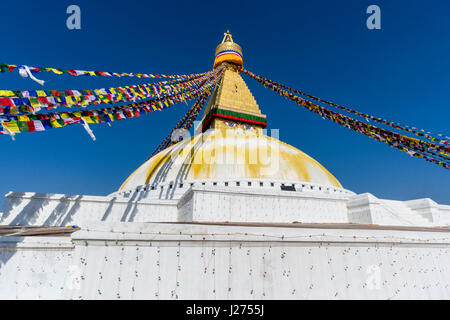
pixel 437 153
pixel 26 111
pixel 11 67
pixel 32 101
pixel 43 121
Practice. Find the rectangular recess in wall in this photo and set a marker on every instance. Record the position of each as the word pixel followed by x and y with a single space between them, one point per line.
pixel 288 188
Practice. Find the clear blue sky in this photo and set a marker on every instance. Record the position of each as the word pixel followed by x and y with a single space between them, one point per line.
pixel 401 73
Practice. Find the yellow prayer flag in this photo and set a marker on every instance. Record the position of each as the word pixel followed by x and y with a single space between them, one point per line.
pixel 69 100
pixel 55 70
pixel 12 126
pixel 88 120
pixel 6 93
pixel 55 124
pixel 23 118
pixel 14 110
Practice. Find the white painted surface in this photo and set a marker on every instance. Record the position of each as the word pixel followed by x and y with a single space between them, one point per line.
pixel 249 200
pixel 183 261
pixel 366 208
pixel 213 200
pixel 118 254
pixel 35 267
pixel 63 210
pixel 259 205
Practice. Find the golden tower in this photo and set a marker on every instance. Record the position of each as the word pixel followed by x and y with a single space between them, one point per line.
pixel 230 143
pixel 232 105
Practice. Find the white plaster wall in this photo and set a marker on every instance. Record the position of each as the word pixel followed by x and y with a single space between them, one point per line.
pixel 440 214
pixel 217 262
pixel 210 200
pixel 368 209
pixel 243 200
pixel 250 205
pixel 63 210
pixel 35 267
pixel 445 214
pixel 192 261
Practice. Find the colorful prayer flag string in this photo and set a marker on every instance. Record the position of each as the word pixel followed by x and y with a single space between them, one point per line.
pixel 188 119
pixel 45 121
pixel 428 151
pixel 17 102
pixel 419 132
pixel 73 72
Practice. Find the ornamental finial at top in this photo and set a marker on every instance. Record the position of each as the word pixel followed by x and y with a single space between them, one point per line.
pixel 228 51
pixel 227 37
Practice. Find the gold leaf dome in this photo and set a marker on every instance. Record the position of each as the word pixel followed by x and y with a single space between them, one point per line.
pixel 232 154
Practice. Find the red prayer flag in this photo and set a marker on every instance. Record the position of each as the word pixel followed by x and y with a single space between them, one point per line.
pixel 31 127
pixel 6 102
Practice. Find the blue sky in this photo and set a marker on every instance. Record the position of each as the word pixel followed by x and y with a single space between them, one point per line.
pixel 401 73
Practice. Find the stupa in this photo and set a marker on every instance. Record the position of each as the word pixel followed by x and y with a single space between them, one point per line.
pixel 229 213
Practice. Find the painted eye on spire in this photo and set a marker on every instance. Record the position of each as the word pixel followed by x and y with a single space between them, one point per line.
pixel 230 124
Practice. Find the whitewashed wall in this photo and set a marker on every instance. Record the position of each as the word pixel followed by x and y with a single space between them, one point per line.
pixel 261 205
pixel 63 210
pixel 185 261
pixel 219 201
pixel 368 209
pixel 243 200
pixel 35 267
pixel 170 261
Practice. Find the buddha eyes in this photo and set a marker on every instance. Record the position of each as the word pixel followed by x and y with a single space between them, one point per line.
pixel 232 124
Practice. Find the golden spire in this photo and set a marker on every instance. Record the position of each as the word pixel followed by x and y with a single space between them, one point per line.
pixel 228 51
pixel 232 105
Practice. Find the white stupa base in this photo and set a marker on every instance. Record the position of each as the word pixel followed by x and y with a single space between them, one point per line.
pixel 238 239
pixel 209 261
pixel 251 200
